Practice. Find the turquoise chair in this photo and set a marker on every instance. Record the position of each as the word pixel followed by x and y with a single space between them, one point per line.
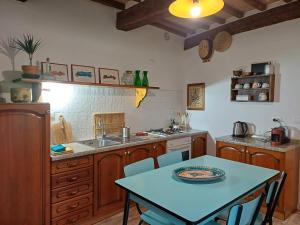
pixel 273 193
pixel 169 158
pixel 136 168
pixel 240 214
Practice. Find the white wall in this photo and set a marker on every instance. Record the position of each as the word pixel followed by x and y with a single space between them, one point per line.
pixel 83 32
pixel 278 43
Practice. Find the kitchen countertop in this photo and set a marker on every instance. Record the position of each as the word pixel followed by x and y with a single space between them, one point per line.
pixel 257 143
pixel 82 150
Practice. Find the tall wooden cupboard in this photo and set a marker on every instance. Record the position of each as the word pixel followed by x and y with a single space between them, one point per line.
pixel 24 164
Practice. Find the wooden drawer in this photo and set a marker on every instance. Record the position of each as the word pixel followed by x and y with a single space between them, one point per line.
pixel 72 205
pixel 64 179
pixel 74 217
pixel 71 164
pixel 65 193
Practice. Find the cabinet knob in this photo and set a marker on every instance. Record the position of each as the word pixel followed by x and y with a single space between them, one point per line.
pixel 74 206
pixel 73 178
pixel 154 147
pixel 71 193
pixel 193 139
pixel 73 220
pixel 125 153
pixel 128 152
pixel 72 164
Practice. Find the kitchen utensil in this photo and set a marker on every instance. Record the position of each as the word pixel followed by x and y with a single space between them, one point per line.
pixel 21 94
pixel 222 41
pixel 125 132
pixel 279 136
pixel 256 85
pixel 237 73
pixel 243 98
pixel 145 81
pixel 247 86
pixel 247 73
pixel 265 85
pixel 205 50
pixel 240 129
pixel 61 132
pixel 128 78
pixel 262 97
pixel 262 68
pixel 198 173
pixel 238 86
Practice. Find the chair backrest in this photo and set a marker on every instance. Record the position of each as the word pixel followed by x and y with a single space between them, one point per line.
pixel 273 193
pixel 139 167
pixel 170 158
pixel 245 214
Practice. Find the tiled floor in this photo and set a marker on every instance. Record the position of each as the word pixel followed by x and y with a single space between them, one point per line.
pixel 134 219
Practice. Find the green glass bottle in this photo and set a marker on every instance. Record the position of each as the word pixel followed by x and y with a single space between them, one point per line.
pixel 137 78
pixel 145 81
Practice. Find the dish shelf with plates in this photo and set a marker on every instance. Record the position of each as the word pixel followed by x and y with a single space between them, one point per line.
pixel 255 88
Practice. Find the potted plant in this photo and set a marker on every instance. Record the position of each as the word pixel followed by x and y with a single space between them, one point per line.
pixel 29 44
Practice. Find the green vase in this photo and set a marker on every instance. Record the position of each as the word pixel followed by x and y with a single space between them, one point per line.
pixel 137 78
pixel 145 81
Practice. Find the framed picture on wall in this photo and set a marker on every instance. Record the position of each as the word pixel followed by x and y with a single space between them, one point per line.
pixel 57 71
pixel 196 96
pixel 83 74
pixel 109 76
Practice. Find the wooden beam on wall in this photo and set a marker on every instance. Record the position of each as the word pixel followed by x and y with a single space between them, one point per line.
pixel 233 11
pixel 256 4
pixel 272 16
pixel 111 3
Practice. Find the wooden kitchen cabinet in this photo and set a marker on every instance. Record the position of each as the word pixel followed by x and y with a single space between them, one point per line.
pixel 159 149
pixel 287 161
pixel 199 145
pixel 24 164
pixel 231 151
pixel 108 167
pixel 138 153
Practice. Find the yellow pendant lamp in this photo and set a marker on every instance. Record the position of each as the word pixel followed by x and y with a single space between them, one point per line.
pixel 195 8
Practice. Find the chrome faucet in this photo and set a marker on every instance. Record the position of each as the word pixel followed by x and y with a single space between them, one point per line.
pixel 101 125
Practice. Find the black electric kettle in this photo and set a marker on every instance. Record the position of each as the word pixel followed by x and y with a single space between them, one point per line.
pixel 240 129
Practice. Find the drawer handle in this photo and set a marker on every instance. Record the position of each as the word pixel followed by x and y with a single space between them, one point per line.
pixel 74 206
pixel 73 220
pixel 71 193
pixel 72 164
pixel 73 178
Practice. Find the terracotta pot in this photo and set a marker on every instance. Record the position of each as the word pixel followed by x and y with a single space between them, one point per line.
pixel 35 70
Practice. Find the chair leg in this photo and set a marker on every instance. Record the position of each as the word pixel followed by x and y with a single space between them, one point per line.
pixel 141 222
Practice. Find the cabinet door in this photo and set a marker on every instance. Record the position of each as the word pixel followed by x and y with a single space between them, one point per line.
pixel 159 148
pixel 108 167
pixel 264 158
pixel 267 159
pixel 198 146
pixel 138 153
pixel 231 152
pixel 24 164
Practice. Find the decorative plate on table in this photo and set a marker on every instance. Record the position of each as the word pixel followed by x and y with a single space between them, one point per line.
pixel 199 173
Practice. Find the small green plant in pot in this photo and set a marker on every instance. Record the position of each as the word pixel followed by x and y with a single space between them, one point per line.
pixel 29 44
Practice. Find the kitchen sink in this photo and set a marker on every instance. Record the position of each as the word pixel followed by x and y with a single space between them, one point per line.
pixel 96 143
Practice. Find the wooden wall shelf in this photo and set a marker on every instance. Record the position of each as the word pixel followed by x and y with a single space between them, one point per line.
pixel 253 93
pixel 25 80
pixel 140 92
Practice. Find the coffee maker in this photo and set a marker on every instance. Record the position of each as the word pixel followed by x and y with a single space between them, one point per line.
pixel 279 135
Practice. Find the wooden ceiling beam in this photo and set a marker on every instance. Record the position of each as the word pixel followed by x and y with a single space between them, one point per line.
pixel 111 3
pixel 272 16
pixel 174 28
pixel 256 4
pixel 146 12
pixel 233 11
pixel 216 19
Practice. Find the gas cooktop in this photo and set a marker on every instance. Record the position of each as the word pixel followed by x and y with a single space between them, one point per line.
pixel 164 132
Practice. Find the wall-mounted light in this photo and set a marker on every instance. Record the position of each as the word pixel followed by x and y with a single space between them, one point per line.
pixel 195 8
